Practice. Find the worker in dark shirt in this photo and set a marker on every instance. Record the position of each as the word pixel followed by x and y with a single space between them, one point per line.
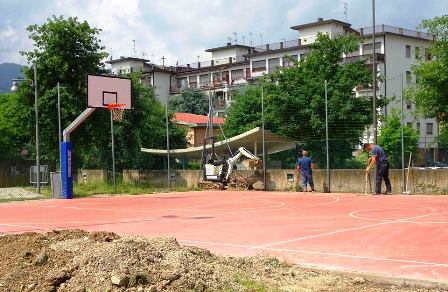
pixel 305 167
pixel 379 157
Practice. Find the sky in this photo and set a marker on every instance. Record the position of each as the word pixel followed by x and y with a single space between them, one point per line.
pixel 181 30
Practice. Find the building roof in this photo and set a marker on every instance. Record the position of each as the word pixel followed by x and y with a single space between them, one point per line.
pixel 122 59
pixel 228 46
pixel 157 68
pixel 251 140
pixel 388 29
pixel 320 22
pixel 195 120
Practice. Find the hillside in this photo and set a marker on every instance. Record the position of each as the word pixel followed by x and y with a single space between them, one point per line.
pixel 8 71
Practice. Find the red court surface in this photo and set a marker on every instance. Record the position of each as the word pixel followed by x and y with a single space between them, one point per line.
pixel 397 235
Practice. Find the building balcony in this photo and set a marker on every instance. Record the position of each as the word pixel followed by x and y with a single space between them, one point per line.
pixel 366 57
pixel 277 46
pixel 366 31
pixel 209 65
pixel 219 104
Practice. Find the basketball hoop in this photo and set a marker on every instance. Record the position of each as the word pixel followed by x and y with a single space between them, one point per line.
pixel 117 110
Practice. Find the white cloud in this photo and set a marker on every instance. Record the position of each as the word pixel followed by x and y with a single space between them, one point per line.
pixel 181 30
pixel 8 35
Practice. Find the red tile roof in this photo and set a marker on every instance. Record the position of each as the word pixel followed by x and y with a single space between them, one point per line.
pixel 195 119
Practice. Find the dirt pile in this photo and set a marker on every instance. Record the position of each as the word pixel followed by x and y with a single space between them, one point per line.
pixel 76 260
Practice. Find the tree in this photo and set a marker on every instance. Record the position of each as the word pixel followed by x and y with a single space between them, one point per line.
pixel 14 133
pixel 245 112
pixel 430 92
pixel 66 50
pixel 390 139
pixel 143 126
pixel 295 106
pixel 191 101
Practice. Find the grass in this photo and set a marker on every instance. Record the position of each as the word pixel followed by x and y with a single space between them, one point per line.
pixel 81 190
pixel 91 189
pixel 251 285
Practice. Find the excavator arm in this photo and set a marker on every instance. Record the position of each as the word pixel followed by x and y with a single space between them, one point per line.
pixel 232 160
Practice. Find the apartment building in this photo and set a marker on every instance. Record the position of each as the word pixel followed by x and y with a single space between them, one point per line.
pixel 235 65
pixel 159 77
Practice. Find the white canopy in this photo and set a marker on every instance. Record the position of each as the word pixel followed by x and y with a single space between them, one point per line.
pixel 251 140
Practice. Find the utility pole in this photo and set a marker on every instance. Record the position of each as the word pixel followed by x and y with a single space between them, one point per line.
pixel 134 46
pixel 345 10
pixel 375 122
pixel 163 61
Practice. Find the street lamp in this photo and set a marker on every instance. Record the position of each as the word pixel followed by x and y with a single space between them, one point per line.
pixel 14 88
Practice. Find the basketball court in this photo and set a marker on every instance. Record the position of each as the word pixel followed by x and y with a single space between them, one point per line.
pixel 397 235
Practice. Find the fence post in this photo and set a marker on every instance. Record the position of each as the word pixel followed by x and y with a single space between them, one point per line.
pixel 167 145
pixel 402 137
pixel 326 139
pixel 263 138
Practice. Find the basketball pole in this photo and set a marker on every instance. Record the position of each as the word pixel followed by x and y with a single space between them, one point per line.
pixel 113 148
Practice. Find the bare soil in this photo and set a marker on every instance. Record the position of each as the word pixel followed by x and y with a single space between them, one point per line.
pixel 75 260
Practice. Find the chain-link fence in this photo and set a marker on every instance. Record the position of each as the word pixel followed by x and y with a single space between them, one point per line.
pixel 331 129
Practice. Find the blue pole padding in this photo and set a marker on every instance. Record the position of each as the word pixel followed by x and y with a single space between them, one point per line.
pixel 66 170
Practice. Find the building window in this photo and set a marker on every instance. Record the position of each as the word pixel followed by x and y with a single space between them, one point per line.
pixel 204 79
pixel 273 64
pixel 182 82
pixel 408 106
pixel 193 81
pixel 237 75
pixel 428 55
pixel 418 128
pixel 217 77
pixel 417 53
pixel 408 51
pixel 409 124
pixel 367 48
pixel 408 77
pixel 288 61
pixel 429 128
pixel 258 66
pixel 146 80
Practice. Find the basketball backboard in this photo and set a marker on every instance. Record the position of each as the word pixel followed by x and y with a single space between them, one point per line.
pixel 105 90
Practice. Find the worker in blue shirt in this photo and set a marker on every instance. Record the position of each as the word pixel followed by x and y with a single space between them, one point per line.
pixel 379 157
pixel 305 167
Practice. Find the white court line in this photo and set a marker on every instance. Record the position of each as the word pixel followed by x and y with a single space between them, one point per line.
pixel 272 209
pixel 317 253
pixel 88 223
pixel 128 210
pixel 336 199
pixel 16 225
pixel 348 229
pixel 352 214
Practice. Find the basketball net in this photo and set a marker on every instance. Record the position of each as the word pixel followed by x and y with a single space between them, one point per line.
pixel 117 110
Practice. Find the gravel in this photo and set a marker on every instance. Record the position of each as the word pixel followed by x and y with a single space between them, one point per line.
pixel 76 260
